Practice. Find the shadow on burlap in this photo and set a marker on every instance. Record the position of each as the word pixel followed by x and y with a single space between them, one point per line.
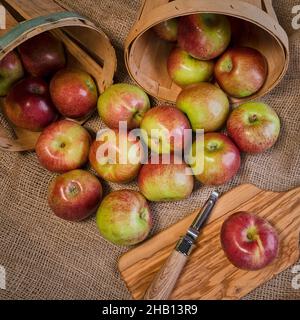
pixel 48 258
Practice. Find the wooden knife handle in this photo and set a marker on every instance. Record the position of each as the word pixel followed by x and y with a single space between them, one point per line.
pixel 166 278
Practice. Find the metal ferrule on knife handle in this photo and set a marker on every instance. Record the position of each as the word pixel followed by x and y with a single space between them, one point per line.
pixel 186 244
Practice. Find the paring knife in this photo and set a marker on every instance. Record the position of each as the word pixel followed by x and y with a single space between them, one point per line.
pixel 165 280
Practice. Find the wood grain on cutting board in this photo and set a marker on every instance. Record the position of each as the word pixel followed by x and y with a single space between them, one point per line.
pixel 208 274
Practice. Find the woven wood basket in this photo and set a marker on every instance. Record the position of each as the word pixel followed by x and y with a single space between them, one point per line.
pixel 87 48
pixel 146 54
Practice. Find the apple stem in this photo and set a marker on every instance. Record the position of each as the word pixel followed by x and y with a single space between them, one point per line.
pixel 253 118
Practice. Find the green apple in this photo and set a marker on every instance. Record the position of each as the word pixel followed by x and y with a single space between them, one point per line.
pixel 124 217
pixel 161 181
pixel 206 106
pixel 164 128
pixel 185 70
pixel 221 159
pixel 11 70
pixel 167 30
pixel 254 126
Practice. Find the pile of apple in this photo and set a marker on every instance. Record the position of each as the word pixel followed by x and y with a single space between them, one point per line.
pixel 39 88
pixel 64 146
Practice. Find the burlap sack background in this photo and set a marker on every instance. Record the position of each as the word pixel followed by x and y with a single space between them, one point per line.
pixel 48 258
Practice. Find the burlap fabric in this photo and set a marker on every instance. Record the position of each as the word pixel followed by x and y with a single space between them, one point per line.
pixel 48 258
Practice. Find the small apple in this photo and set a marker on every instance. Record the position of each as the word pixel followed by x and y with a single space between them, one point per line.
pixel 185 70
pixel 74 195
pixel 204 36
pixel 28 105
pixel 163 129
pixel 124 218
pixel 254 126
pixel 221 159
pixel 249 242
pixel 11 70
pixel 63 146
pixel 241 71
pixel 206 106
pixel 166 181
pixel 116 156
pixel 167 30
pixel 42 55
pixel 123 102
pixel 74 93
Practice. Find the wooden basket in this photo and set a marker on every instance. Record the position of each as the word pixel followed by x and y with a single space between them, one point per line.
pixel 87 47
pixel 146 54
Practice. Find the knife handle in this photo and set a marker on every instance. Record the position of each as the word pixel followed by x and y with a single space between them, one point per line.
pixel 166 278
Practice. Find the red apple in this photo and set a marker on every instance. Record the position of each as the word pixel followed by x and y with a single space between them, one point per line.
pixel 249 242
pixel 123 102
pixel 241 71
pixel 219 163
pixel 42 55
pixel 74 93
pixel 163 129
pixel 116 156
pixel 124 218
pixel 166 181
pixel 63 146
pixel 185 70
pixel 29 106
pixel 74 195
pixel 204 36
pixel 11 70
pixel 206 106
pixel 167 30
pixel 254 126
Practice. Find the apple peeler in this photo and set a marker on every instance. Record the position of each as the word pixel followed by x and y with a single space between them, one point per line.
pixel 165 280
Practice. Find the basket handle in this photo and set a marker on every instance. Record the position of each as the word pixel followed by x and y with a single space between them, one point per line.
pixel 268 5
pixel 27 26
pixel 148 5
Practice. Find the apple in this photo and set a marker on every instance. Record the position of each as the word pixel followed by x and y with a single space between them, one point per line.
pixel 166 181
pixel 185 70
pixel 42 55
pixel 28 104
pixel 11 70
pixel 116 156
pixel 167 30
pixel 241 71
pixel 205 35
pixel 74 195
pixel 254 126
pixel 221 159
pixel 74 93
pixel 123 102
pixel 249 242
pixel 163 129
pixel 63 146
pixel 206 106
pixel 124 218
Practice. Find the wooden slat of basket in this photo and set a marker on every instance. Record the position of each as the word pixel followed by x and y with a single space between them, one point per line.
pixel 83 59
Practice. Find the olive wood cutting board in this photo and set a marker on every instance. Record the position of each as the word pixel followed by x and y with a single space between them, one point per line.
pixel 208 274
